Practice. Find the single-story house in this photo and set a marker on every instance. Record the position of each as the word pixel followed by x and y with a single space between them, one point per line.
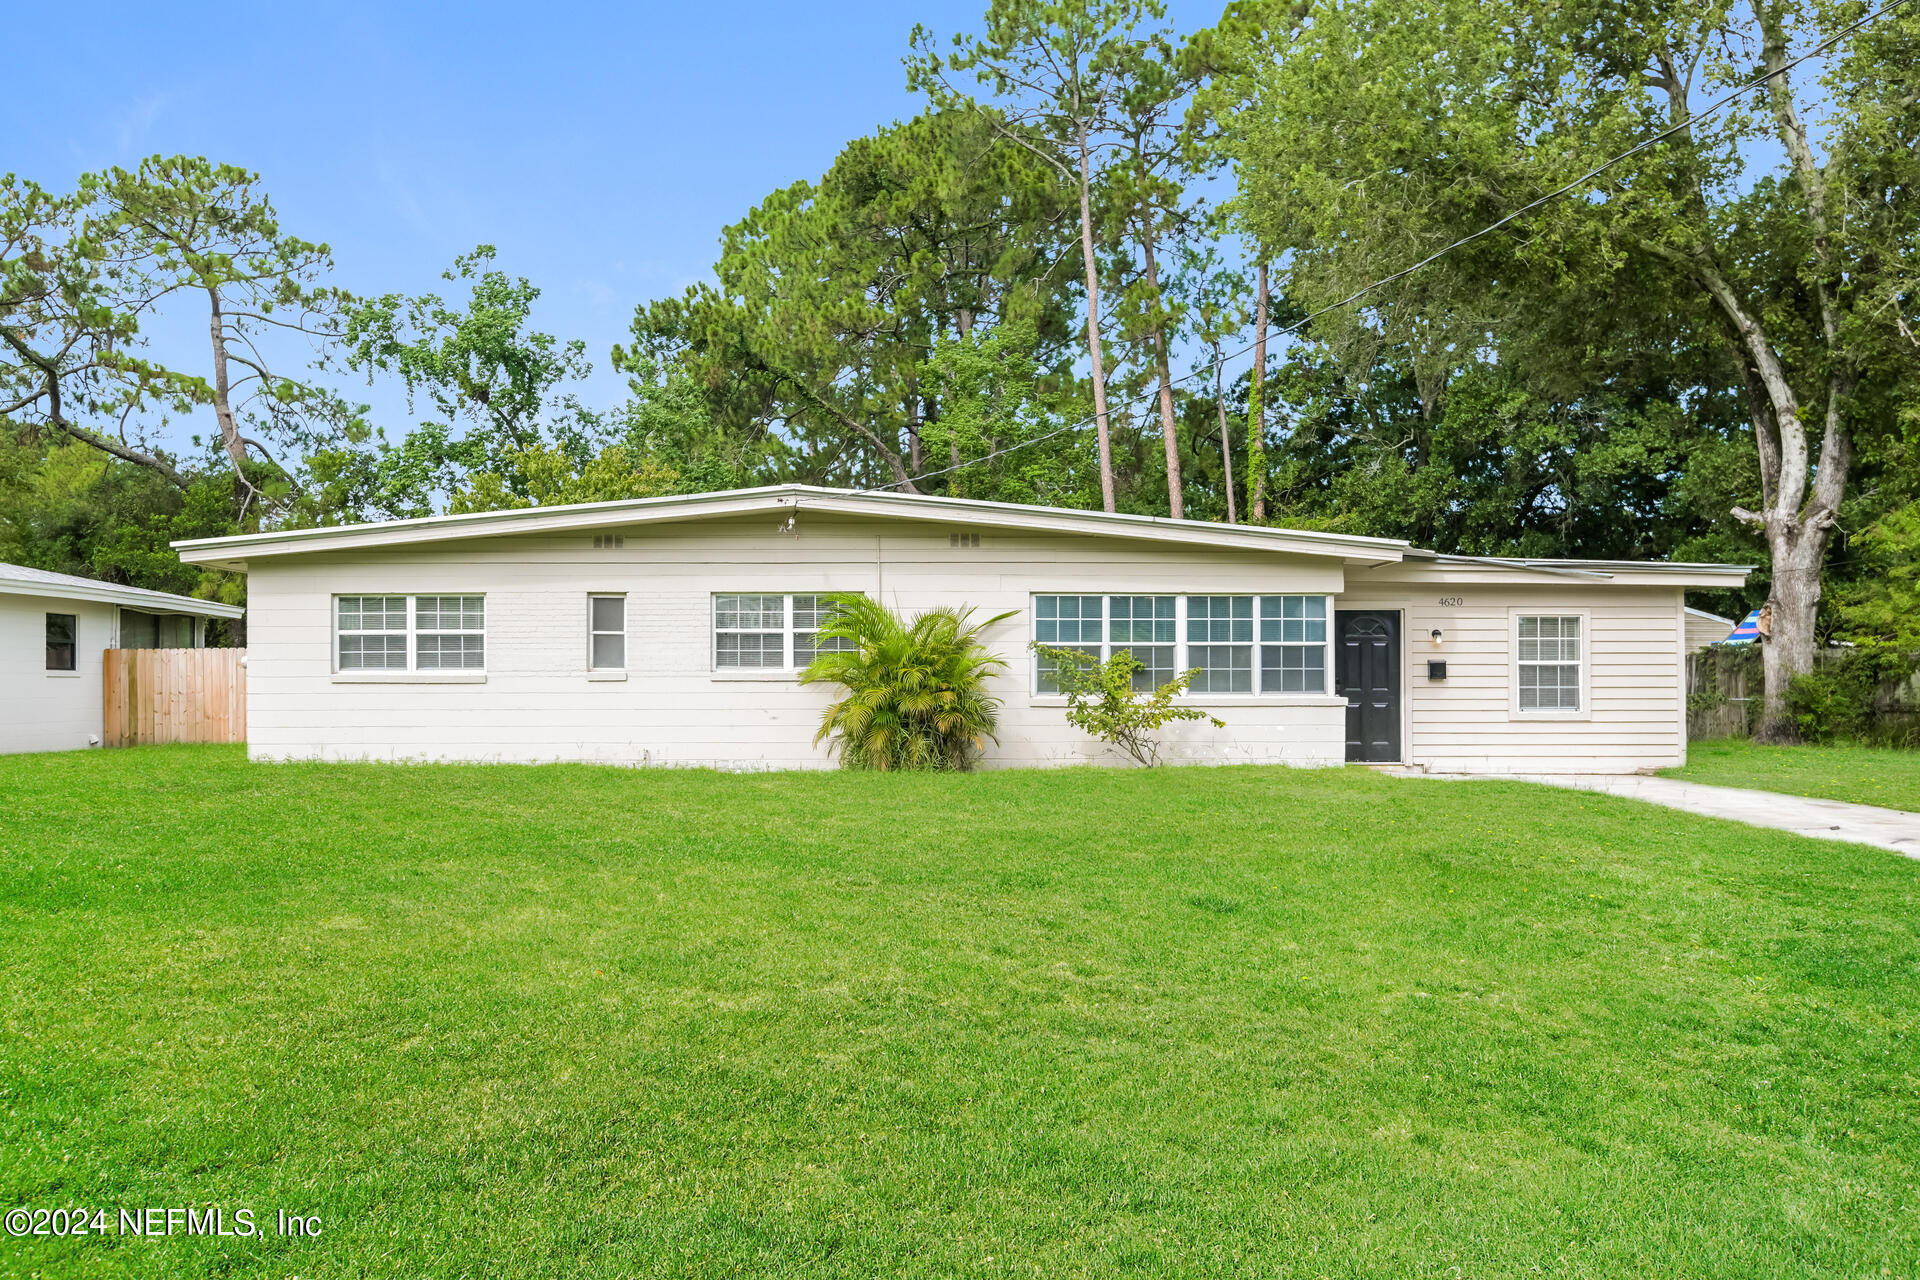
pixel 669 631
pixel 53 629
pixel 1705 629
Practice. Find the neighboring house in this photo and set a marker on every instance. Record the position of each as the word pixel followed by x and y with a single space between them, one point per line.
pixel 669 631
pixel 53 629
pixel 1705 628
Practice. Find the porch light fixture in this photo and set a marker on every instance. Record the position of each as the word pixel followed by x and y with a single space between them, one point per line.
pixel 1436 635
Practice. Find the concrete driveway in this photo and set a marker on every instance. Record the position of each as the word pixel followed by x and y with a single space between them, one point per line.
pixel 1802 815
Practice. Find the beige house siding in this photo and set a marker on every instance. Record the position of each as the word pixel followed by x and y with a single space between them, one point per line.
pixel 537 702
pixel 1633 714
pixel 1704 629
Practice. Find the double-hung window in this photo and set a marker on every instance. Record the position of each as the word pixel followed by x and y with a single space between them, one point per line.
pixel 410 633
pixel 607 627
pixel 1250 645
pixel 449 633
pixel 1220 643
pixel 1145 627
pixel 1074 623
pixel 372 633
pixel 63 641
pixel 1548 656
pixel 1293 644
pixel 753 632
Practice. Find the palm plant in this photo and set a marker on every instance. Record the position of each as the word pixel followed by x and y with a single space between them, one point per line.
pixel 915 691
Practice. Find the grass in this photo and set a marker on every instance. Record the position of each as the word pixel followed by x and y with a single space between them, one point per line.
pixel 579 1022
pixel 1861 775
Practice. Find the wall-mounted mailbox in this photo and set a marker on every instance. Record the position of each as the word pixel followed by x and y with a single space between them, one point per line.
pixel 1436 671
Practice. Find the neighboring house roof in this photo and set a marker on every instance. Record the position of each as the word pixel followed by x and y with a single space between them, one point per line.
pixel 18 580
pixel 1704 616
pixel 235 552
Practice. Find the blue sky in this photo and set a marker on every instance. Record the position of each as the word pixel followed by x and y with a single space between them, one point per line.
pixel 601 148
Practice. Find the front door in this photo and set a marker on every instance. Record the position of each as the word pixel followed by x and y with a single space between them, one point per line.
pixel 1367 672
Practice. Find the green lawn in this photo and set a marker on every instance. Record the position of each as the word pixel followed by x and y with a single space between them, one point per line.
pixel 1863 775
pixel 579 1022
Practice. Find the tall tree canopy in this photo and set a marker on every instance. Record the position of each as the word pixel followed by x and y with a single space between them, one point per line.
pixel 1385 132
pixel 835 297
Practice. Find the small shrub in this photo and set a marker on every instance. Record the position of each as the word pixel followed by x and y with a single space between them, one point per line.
pixel 1844 699
pixel 1102 700
pixel 915 691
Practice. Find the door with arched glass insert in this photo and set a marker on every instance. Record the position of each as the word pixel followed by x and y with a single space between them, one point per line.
pixel 1367 673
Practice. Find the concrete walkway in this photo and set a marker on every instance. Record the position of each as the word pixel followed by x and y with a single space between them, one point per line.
pixel 1802 815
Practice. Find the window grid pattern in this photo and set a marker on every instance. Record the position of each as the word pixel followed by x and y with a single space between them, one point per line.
pixel 450 633
pixel 770 632
pixel 373 633
pixel 1549 658
pixel 1144 626
pixel 607 633
pixel 808 613
pixel 420 633
pixel 1215 634
pixel 1220 643
pixel 1293 644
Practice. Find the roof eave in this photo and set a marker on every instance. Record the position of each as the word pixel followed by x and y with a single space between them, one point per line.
pixel 126 597
pixel 233 552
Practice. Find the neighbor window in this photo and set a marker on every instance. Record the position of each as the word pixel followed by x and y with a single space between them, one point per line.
pixel 401 633
pixel 607 621
pixel 1549 662
pixel 1215 634
pixel 63 641
pixel 769 632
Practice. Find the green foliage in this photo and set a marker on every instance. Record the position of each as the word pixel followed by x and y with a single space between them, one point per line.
pixel 994 423
pixel 1881 602
pixel 831 295
pixel 494 387
pixel 915 692
pixel 1854 698
pixel 72 509
pixel 541 476
pixel 1106 700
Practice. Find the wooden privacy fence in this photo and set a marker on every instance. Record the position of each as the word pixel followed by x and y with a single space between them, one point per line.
pixel 175 695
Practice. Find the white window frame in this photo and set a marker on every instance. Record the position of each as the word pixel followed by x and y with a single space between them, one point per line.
pixel 594 632
pixel 1585 710
pixel 412 635
pixel 789 668
pixel 1183 645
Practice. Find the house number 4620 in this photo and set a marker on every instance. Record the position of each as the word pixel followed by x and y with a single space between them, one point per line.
pixel 1452 602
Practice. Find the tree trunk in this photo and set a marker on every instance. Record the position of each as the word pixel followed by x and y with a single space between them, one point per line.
pixel 1169 429
pixel 1099 370
pixel 1794 606
pixel 222 403
pixel 1256 409
pixel 1226 432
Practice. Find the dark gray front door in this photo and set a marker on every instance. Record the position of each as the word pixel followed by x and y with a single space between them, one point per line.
pixel 1367 671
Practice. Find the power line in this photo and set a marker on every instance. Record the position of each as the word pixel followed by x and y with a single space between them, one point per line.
pixel 1823 47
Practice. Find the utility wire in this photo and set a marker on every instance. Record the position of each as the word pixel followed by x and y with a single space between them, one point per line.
pixel 1823 47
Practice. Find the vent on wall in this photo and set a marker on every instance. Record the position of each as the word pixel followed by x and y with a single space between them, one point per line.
pixel 963 539
pixel 608 541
